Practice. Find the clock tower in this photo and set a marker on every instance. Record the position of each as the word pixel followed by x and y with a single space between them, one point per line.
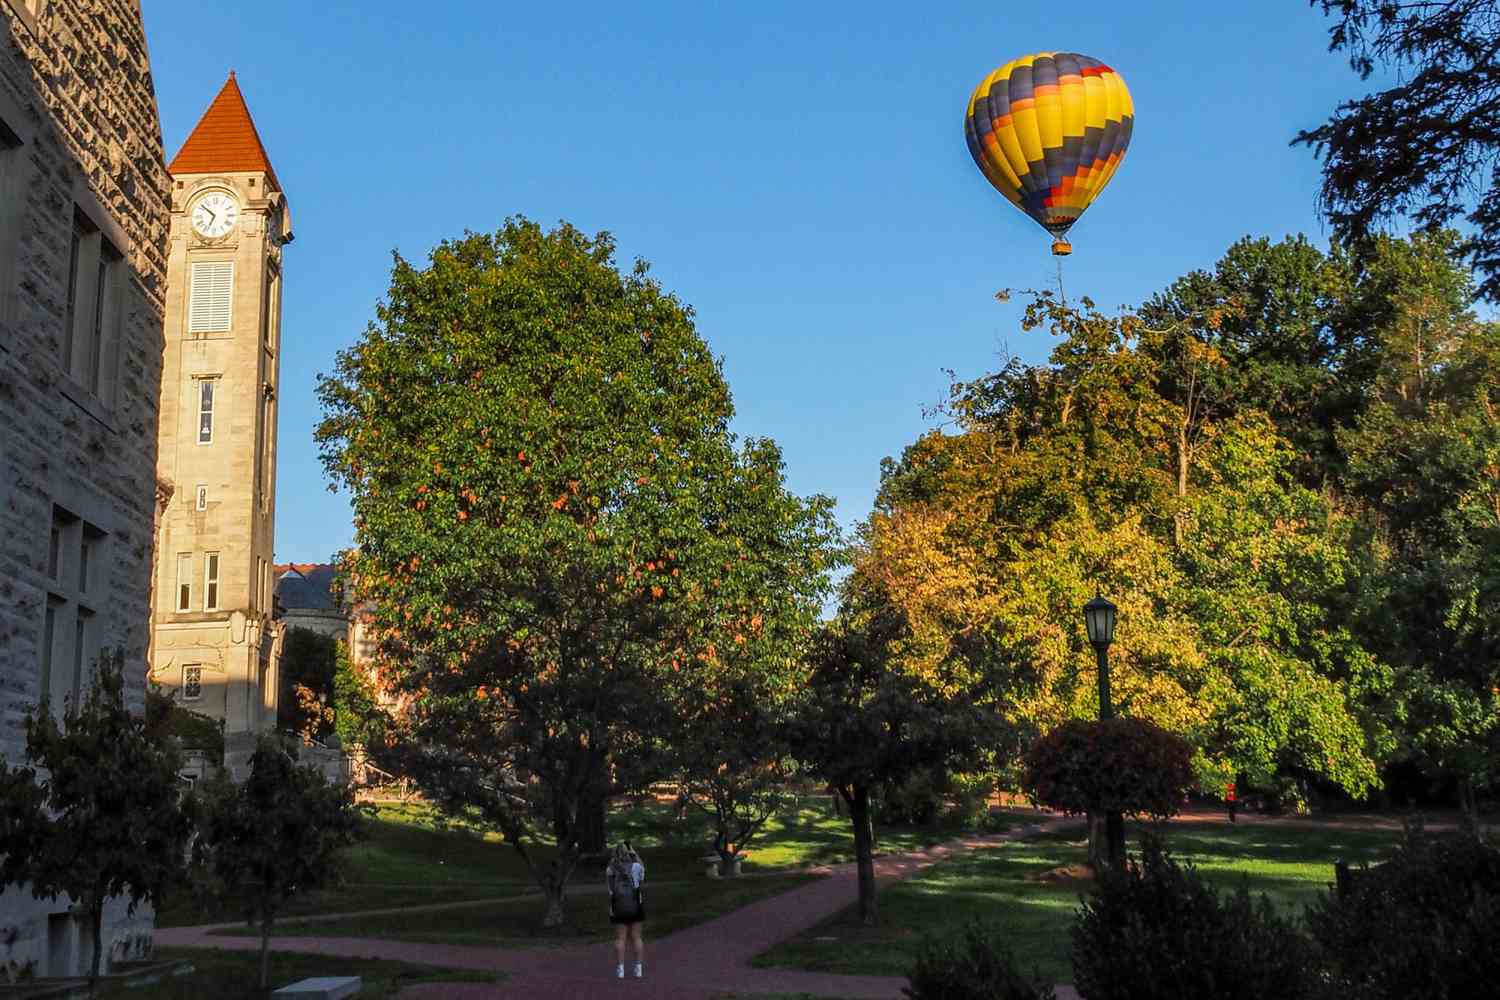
pixel 216 643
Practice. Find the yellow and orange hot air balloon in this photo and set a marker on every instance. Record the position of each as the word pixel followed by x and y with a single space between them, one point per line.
pixel 1049 131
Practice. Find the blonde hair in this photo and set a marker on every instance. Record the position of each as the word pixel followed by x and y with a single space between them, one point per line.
pixel 624 854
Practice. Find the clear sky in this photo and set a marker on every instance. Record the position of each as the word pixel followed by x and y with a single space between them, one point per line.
pixel 795 171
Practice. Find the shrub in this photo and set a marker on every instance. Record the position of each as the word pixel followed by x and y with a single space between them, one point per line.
pixel 978 965
pixel 1422 924
pixel 1129 766
pixel 1157 931
pixel 915 800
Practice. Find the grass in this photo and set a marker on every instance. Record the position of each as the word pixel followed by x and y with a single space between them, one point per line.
pixel 513 923
pixel 411 858
pixel 231 975
pixel 1290 862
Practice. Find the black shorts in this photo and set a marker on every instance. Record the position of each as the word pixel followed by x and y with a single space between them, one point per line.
pixel 638 918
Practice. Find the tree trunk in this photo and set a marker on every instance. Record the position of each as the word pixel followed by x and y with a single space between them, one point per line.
pixel 266 923
pixel 96 918
pixel 1098 843
pixel 553 886
pixel 591 829
pixel 864 854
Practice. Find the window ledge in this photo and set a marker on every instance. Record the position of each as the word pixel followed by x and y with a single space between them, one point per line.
pixel 87 402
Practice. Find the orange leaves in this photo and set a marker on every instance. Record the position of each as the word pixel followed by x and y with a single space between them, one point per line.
pixel 657 592
pixel 463 515
pixel 560 502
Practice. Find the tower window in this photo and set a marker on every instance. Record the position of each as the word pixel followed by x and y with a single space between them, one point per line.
pixel 211 582
pixel 206 410
pixel 211 294
pixel 184 581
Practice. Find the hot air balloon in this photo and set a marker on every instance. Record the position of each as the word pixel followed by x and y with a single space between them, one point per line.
pixel 1049 130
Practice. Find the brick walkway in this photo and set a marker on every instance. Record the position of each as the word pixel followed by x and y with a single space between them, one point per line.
pixel 694 964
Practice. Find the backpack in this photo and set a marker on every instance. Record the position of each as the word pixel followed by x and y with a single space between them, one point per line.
pixel 624 897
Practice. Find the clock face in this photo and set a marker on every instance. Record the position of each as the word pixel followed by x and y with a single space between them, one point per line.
pixel 215 214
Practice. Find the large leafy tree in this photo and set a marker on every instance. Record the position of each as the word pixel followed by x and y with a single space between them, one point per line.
pixel 1428 146
pixel 1423 461
pixel 100 813
pixel 556 530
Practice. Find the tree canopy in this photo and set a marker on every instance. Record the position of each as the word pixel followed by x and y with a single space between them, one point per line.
pixel 1428 146
pixel 1280 468
pixel 556 531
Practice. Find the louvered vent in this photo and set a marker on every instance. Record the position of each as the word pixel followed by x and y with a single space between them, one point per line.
pixel 212 297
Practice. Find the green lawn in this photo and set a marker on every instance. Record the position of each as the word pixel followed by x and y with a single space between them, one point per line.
pixel 1291 862
pixel 512 923
pixel 411 859
pixel 232 975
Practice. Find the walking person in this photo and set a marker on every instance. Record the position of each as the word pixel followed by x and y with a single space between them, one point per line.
pixel 627 906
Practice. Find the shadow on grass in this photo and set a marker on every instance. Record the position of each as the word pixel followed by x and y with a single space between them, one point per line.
pixel 232 975
pixel 1290 863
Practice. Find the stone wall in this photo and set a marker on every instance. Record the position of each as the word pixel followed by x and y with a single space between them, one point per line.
pixel 80 140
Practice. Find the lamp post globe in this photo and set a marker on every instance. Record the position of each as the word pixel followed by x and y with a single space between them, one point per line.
pixel 1099 618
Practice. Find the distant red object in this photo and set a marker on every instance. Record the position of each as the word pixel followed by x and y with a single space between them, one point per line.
pixel 1229 792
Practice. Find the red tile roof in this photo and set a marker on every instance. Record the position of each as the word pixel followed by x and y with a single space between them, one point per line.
pixel 225 139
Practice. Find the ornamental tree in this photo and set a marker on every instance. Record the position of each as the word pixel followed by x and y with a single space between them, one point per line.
pixel 556 531
pixel 100 814
pixel 277 834
pixel 1122 765
pixel 865 720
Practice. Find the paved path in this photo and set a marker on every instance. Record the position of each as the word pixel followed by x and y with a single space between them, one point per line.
pixel 693 964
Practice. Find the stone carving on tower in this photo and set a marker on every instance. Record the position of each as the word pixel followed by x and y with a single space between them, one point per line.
pixel 216 642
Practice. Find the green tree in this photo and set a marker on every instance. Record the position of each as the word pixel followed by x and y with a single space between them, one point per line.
pixel 1427 147
pixel 864 722
pixel 1423 462
pixel 733 762
pixel 555 527
pixel 105 817
pixel 357 716
pixel 277 834
pixel 309 663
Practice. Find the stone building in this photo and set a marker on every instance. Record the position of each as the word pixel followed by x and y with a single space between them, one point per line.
pixel 307 596
pixel 216 640
pixel 83 221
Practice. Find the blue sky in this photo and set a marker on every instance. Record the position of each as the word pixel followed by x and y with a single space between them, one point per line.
pixel 794 171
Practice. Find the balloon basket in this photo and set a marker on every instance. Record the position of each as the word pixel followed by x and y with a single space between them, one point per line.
pixel 1061 248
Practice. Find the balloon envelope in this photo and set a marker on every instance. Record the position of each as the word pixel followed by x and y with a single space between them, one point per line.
pixel 1049 130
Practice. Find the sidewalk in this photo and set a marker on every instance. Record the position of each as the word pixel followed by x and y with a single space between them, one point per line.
pixel 697 963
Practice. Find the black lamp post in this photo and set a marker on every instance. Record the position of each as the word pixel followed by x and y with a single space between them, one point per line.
pixel 1099 618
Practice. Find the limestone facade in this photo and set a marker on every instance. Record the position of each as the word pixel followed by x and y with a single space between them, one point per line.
pixel 84 203
pixel 216 640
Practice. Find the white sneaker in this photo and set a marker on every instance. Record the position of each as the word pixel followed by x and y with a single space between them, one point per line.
pixel 638 970
pixel 620 972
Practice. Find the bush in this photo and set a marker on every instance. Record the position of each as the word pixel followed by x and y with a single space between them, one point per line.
pixel 1129 766
pixel 979 965
pixel 1423 924
pixel 915 800
pixel 1157 931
